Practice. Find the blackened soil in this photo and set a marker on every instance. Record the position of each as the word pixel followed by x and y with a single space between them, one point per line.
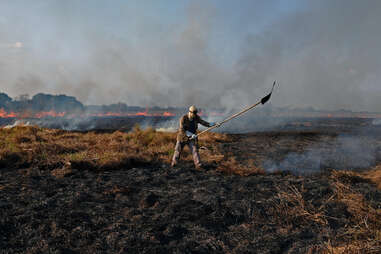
pixel 164 210
pixel 304 152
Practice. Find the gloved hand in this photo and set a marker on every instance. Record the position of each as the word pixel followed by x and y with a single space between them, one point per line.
pixel 217 124
pixel 194 136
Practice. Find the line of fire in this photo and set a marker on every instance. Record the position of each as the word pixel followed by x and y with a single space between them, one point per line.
pixel 63 106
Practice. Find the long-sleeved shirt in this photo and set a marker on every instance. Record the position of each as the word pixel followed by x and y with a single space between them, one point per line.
pixel 189 125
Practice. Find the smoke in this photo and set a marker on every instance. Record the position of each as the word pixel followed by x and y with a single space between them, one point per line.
pixel 344 152
pixel 16 45
pixel 17 123
pixel 376 121
pixel 213 54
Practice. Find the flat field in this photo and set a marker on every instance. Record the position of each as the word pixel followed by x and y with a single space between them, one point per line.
pixel 296 190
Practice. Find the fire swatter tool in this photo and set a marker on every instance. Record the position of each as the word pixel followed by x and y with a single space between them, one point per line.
pixel 262 101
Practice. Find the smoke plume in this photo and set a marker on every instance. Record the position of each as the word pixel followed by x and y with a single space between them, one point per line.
pixel 325 54
pixel 344 152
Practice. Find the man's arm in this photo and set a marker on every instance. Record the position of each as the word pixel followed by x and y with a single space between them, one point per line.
pixel 182 128
pixel 205 123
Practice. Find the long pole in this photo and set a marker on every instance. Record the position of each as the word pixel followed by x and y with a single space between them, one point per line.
pixel 262 101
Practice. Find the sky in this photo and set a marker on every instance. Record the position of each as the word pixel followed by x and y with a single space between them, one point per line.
pixel 213 53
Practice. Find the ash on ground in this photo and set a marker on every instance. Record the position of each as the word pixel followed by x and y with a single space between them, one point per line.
pixel 161 210
pixel 157 209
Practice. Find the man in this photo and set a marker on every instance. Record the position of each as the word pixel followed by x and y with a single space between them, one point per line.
pixel 187 136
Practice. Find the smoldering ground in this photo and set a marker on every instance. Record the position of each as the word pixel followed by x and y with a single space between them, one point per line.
pixel 345 144
pixel 325 53
pixel 342 152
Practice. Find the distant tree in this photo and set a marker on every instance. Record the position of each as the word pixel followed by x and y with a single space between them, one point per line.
pixel 58 103
pixel 5 101
pixel 5 98
pixel 23 97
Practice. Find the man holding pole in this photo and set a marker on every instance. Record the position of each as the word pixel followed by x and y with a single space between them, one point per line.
pixel 188 128
pixel 187 135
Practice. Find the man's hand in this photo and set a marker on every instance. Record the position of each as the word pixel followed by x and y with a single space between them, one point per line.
pixel 190 135
pixel 217 124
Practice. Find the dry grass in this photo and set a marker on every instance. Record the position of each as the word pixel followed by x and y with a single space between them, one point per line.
pixel 58 150
pixel 362 232
pixel 365 223
pixel 292 207
pixel 374 175
pixel 353 223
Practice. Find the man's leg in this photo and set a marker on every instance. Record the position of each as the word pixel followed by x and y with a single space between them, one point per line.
pixel 196 157
pixel 176 155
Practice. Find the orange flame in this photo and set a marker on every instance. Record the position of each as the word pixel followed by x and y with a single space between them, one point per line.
pixel 168 114
pixel 4 114
pixel 52 113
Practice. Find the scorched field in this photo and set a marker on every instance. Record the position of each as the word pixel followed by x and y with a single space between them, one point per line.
pixel 285 191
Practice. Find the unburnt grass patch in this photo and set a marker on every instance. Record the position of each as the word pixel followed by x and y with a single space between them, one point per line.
pixel 49 149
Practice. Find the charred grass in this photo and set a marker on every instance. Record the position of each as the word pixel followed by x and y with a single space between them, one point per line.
pixel 113 192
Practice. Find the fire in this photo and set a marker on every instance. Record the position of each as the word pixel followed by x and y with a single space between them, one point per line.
pixel 30 114
pixel 145 113
pixel 52 113
pixel 168 114
pixel 4 114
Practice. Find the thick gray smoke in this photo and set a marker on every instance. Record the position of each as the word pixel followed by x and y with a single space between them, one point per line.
pixel 324 53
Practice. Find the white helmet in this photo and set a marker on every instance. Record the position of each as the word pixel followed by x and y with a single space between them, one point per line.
pixel 193 109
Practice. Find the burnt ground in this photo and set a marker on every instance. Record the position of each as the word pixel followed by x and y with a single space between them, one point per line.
pixel 157 209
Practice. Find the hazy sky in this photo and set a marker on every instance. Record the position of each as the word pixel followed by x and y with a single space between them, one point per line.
pixel 325 53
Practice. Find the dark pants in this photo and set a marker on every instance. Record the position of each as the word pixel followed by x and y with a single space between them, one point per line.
pixel 193 147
